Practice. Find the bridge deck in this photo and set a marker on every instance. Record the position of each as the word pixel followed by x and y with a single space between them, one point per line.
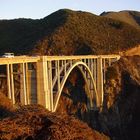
pixel 31 59
pixel 18 59
pixel 72 57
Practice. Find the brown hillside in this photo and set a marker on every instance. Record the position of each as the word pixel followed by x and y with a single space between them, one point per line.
pixel 132 51
pixel 35 123
pixel 85 33
pixel 131 17
pixel 67 32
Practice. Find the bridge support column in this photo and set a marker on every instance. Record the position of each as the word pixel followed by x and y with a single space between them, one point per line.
pixel 50 91
pixel 23 93
pixel 43 94
pixel 100 81
pixel 27 83
pixel 9 82
pixel 12 83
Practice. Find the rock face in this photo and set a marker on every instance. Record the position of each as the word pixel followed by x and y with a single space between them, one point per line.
pixel 35 123
pixel 120 117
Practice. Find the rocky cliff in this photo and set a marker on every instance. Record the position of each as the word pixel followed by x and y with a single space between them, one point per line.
pixel 121 111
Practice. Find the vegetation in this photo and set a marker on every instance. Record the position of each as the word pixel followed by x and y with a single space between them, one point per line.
pixel 85 31
pixel 111 73
pixel 6 107
pixel 130 17
pixel 33 122
pixel 67 32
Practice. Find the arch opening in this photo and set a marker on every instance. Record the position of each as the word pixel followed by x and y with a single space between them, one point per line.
pixel 89 98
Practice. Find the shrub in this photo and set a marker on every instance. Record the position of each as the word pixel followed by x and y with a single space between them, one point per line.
pixel 111 73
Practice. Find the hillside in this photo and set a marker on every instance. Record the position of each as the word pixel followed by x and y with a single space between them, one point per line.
pixel 132 52
pixel 67 32
pixel 36 123
pixel 19 35
pixel 130 17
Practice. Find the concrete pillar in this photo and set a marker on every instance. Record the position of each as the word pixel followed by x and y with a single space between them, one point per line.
pixel 104 70
pixel 95 71
pixel 27 83
pixel 23 94
pixel 109 62
pixel 100 81
pixel 12 83
pixel 9 82
pixel 65 67
pixel 32 86
pixel 92 71
pixel 58 76
pixel 50 83
pixel 43 94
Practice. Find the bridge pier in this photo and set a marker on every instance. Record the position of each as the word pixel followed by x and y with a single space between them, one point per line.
pixel 10 82
pixel 27 83
pixel 43 91
pixel 23 88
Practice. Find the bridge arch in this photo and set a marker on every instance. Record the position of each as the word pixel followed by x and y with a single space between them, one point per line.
pixel 78 65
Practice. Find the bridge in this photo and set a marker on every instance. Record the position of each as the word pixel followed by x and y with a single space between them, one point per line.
pixel 42 78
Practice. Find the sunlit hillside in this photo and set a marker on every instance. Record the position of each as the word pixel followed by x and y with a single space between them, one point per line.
pixel 130 17
pixel 67 32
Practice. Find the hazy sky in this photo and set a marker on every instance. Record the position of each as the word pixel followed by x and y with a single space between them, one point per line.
pixel 36 9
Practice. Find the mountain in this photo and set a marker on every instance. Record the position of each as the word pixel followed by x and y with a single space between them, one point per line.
pixel 67 32
pixel 130 17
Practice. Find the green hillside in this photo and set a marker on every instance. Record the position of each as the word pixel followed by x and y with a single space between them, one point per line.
pixel 67 32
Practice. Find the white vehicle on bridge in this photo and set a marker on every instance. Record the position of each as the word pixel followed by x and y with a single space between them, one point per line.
pixel 8 55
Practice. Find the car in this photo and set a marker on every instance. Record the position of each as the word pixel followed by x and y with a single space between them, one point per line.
pixel 8 55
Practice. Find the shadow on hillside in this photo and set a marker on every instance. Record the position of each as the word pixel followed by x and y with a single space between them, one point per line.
pixel 121 121
pixel 6 107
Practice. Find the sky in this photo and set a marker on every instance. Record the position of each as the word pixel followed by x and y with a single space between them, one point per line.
pixel 36 9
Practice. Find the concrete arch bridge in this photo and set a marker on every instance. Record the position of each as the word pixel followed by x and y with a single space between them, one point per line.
pixel 43 78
